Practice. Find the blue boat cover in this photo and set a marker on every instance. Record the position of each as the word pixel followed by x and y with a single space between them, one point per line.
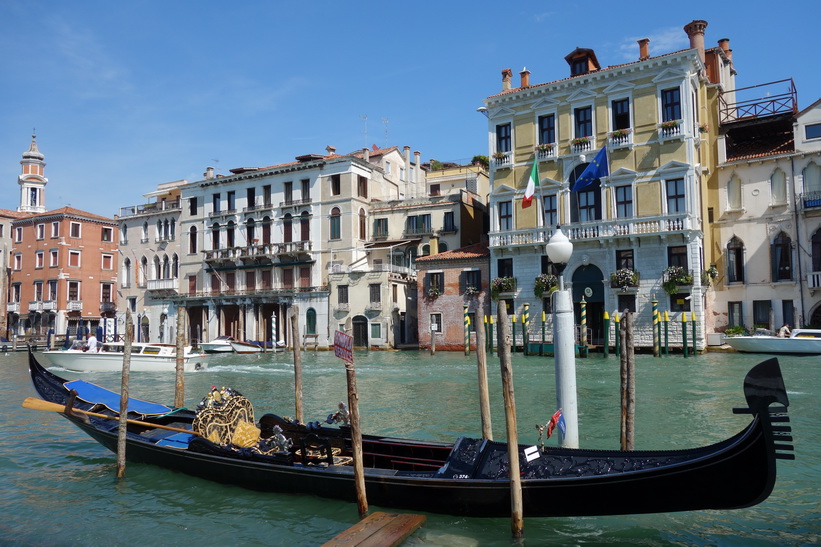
pixel 178 440
pixel 91 393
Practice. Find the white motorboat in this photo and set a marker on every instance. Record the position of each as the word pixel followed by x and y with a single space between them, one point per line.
pixel 800 341
pixel 245 347
pixel 220 344
pixel 145 357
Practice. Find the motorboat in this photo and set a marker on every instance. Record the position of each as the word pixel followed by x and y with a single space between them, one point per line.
pixel 245 347
pixel 220 344
pixel 800 341
pixel 145 357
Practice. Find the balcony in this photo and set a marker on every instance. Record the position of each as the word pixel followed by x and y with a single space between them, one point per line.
pixel 582 145
pixel 162 284
pixel 49 305
pixel 813 282
pixel 620 138
pixel 13 307
pixel 546 152
pixel 778 98
pixel 502 159
pixel 74 305
pixel 671 130
pixel 342 307
pixel 149 208
pixel 295 202
pixel 810 201
pixel 374 306
pixel 35 306
pixel 108 307
pixel 604 229
pixel 265 206
pixel 294 247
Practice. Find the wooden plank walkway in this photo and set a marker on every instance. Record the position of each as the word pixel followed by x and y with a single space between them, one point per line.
pixel 378 530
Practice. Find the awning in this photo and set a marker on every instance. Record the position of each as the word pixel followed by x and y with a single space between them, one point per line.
pixel 391 243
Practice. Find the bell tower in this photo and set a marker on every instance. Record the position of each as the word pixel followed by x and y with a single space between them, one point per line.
pixel 32 180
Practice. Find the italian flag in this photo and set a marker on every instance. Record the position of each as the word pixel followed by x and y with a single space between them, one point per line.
pixel 531 185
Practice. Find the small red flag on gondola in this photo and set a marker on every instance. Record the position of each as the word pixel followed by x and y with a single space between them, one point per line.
pixel 554 420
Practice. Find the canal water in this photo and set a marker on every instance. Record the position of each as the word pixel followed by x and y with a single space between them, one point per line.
pixel 57 486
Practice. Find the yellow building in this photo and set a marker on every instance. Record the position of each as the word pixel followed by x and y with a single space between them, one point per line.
pixel 643 217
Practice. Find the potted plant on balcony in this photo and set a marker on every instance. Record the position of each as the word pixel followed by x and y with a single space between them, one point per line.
pixel 580 141
pixel 544 147
pixel 498 155
pixel 502 284
pixel 470 290
pixel 670 124
pixel 619 133
pixel 545 283
pixel 703 128
pixel 433 293
pixel 624 278
pixel 674 276
pixel 709 275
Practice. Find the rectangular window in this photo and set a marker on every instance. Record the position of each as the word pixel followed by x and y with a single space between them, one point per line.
pixel 388 168
pixel 787 312
pixel 436 322
pixel 621 114
pixel 761 314
pixel 215 202
pixel 472 281
pixel 547 129
pixel 53 258
pixel 41 231
pixel 380 228
pixel 107 234
pixel 18 261
pixel 250 197
pixel 677 256
pixel 75 230
pixel 362 186
pixel 74 259
pixel 105 292
pixel 108 262
pixel 132 303
pixel 74 290
pixel 231 199
pixel 342 294
pixel 418 224
pixel 735 314
pixel 551 211
pixel 435 190
pixel 376 330
pixel 305 190
pixel 266 195
pixel 38 291
pixel 375 292
pixel 679 302
pixel 624 259
pixel 336 185
pixel 627 302
pixel 192 206
pixel 55 229
pixel 251 281
pixel 587 205
pixel 15 292
pixel 436 282
pixel 18 235
pixel 265 276
pixel 670 104
pixel 812 131
pixel 504 267
pixel 39 259
pixel 449 224
pixel 505 215
pixel 503 139
pixel 624 201
pixel 583 121
pixel 675 196
pixel 547 267
pixel 52 289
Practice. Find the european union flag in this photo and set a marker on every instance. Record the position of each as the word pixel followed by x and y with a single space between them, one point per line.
pixel 595 170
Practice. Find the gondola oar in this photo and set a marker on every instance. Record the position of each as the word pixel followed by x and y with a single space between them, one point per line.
pixel 39 404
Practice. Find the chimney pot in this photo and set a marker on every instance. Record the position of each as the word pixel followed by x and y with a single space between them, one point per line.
pixel 366 154
pixel 507 74
pixel 209 173
pixel 695 31
pixel 525 76
pixel 644 49
pixel 330 149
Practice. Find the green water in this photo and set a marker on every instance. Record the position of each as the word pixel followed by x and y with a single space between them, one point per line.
pixel 57 486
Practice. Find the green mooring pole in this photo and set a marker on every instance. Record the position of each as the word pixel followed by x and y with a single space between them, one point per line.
pixel 467 331
pixel 656 341
pixel 513 330
pixel 694 334
pixel 526 329
pixel 666 333
pixel 490 339
pixel 606 334
pixel 684 333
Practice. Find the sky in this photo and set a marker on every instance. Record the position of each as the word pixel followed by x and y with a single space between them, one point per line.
pixel 124 96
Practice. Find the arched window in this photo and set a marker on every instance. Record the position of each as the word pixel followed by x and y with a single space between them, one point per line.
pixel 157 268
pixel 266 230
pixel 778 187
pixel 173 233
pixel 781 257
pixel 192 240
pixel 145 232
pixel 230 240
pixel 812 178
pixel 443 246
pixel 287 229
pixel 734 193
pixel 123 234
pixel 175 266
pixel 305 226
pixel 425 250
pixel 126 281
pixel 159 236
pixel 363 232
pixel 735 261
pixel 250 232
pixel 336 223
pixel 215 236
pixel 310 321
pixel 166 268
pixel 143 273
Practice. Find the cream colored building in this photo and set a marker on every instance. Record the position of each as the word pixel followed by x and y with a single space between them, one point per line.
pixel 656 118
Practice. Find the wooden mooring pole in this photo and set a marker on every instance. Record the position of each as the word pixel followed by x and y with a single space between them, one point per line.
pixel 356 441
pixel 123 425
pixel 481 367
pixel 179 387
pixel 294 311
pixel 628 382
pixel 516 504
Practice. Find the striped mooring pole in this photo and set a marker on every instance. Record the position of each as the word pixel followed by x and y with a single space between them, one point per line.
pixel 656 341
pixel 617 333
pixel 526 329
pixel 694 334
pixel 666 333
pixel 606 334
pixel 467 331
pixel 584 324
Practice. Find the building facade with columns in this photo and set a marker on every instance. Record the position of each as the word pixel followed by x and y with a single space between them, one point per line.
pixel 638 229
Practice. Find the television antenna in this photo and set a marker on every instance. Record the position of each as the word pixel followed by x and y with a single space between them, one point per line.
pixel 364 129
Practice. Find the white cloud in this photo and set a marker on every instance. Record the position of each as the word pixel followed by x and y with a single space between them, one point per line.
pixel 662 41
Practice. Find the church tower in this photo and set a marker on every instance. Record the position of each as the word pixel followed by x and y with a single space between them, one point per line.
pixel 32 180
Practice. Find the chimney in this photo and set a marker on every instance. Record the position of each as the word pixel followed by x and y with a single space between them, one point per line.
pixel 366 154
pixel 209 173
pixel 724 44
pixel 695 31
pixel 644 49
pixel 331 150
pixel 417 159
pixel 406 152
pixel 525 76
pixel 507 74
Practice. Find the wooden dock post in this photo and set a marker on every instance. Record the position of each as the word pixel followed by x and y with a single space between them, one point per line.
pixel 516 504
pixel 628 382
pixel 481 367
pixel 123 426
pixel 294 311
pixel 179 386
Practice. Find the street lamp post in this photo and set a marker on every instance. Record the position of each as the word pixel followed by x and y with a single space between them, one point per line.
pixel 559 249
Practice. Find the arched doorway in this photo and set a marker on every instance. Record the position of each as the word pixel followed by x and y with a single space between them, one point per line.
pixel 310 321
pixel 360 331
pixel 145 325
pixel 588 283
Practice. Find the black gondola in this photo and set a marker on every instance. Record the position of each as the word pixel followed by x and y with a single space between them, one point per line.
pixel 468 477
